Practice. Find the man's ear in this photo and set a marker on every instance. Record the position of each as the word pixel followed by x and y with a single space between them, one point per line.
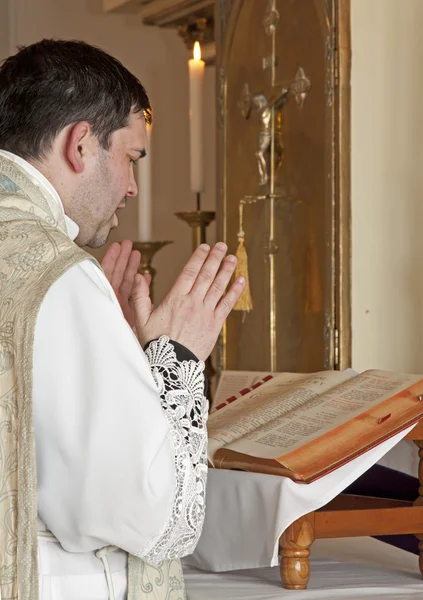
pixel 77 143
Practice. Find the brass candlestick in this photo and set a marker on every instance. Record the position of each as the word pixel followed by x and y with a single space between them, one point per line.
pixel 199 220
pixel 148 250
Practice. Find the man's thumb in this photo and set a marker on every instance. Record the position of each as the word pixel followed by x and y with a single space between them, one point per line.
pixel 141 300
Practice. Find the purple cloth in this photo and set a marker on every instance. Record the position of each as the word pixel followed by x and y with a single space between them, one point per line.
pixel 381 482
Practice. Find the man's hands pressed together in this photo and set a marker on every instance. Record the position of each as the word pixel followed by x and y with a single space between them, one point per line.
pixel 196 307
pixel 120 265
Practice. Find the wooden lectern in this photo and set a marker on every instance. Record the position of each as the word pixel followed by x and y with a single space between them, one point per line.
pixel 350 516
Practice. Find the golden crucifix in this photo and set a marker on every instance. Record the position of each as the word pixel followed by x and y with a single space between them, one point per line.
pixel 269 105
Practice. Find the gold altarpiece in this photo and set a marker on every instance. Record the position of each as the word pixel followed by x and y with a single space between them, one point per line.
pixel 283 69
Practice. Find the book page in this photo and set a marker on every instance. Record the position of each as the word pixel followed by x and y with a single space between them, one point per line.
pixel 277 397
pixel 290 431
pixel 232 382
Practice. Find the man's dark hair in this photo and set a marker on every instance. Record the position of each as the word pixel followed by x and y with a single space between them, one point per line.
pixel 53 83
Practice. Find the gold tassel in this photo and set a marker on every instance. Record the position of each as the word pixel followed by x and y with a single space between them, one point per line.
pixel 244 302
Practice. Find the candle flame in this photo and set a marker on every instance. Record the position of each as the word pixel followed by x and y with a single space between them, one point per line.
pixel 197 51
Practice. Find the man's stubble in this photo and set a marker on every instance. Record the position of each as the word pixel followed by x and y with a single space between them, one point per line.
pixel 93 206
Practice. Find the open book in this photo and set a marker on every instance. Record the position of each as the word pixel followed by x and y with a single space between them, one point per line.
pixel 304 426
pixel 233 384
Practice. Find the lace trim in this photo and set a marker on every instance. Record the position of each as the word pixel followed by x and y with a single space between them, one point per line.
pixel 181 388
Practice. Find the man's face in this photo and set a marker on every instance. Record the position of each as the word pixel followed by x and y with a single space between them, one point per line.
pixel 109 183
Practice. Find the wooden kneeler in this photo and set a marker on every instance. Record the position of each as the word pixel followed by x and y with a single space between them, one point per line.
pixel 350 516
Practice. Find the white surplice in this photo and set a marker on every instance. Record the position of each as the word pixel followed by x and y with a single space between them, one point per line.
pixel 105 461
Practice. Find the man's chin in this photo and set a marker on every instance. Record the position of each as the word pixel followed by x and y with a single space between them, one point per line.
pixel 100 238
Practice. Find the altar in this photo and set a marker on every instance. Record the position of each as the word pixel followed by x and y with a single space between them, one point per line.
pixel 352 568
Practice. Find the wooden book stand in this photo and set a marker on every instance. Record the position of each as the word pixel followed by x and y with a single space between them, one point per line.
pixel 350 516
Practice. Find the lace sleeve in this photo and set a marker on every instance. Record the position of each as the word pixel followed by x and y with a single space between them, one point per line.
pixel 181 388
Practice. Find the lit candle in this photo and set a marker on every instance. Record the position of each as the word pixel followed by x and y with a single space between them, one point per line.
pixel 196 76
pixel 144 228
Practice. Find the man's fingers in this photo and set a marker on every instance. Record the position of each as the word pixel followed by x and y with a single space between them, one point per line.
pixel 130 272
pixel 207 275
pixel 228 301
pixel 110 258
pixel 218 287
pixel 141 300
pixel 189 274
pixel 121 264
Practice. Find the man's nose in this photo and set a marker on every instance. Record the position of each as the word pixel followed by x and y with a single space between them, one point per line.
pixel 132 188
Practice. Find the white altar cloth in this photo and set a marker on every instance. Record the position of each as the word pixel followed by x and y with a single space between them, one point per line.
pixel 350 568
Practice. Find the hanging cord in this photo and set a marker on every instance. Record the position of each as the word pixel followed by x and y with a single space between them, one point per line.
pixel 47 536
pixel 102 555
pixel 244 302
